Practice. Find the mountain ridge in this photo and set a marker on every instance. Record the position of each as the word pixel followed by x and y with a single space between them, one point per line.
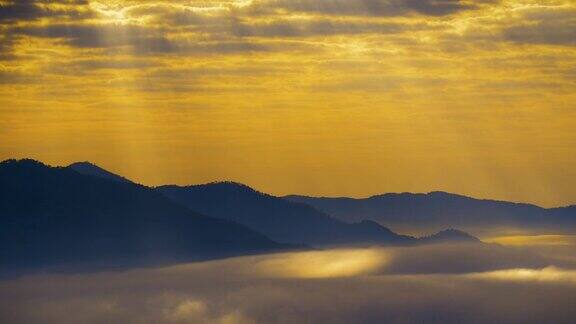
pixel 429 193
pixel 55 215
pixel 282 220
pixel 88 168
pixel 437 210
pixel 115 176
pixel 368 227
pixel 306 224
pixel 232 186
pixel 466 213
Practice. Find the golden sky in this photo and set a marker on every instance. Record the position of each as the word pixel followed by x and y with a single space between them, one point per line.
pixel 320 97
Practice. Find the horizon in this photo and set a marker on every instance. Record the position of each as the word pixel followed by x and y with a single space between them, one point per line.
pixel 292 194
pixel 187 176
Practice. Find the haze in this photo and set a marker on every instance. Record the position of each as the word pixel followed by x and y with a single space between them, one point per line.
pixel 432 284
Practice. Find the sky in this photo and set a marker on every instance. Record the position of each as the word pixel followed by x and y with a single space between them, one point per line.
pixel 316 97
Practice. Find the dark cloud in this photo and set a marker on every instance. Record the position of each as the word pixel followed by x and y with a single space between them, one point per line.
pixel 323 27
pixel 6 47
pixel 225 24
pixel 81 35
pixel 379 8
pixel 34 9
pixel 437 7
pixel 16 77
pixel 20 10
pixel 179 29
pixel 550 26
pixel 549 33
pixel 142 40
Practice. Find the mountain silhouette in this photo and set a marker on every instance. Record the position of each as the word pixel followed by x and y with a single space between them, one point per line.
pixel 439 210
pixel 53 216
pixel 279 219
pixel 449 235
pixel 88 168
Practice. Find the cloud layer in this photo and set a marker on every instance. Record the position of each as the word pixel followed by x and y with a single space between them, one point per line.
pixel 433 284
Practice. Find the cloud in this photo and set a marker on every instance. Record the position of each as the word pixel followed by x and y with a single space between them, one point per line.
pixel 6 45
pixel 544 25
pixel 112 64
pixel 17 77
pixel 322 27
pixel 140 40
pixel 222 27
pixel 26 10
pixel 168 14
pixel 551 33
pixel 337 286
pixel 108 35
pixel 376 8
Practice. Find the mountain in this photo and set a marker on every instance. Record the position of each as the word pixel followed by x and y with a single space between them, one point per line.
pixel 414 212
pixel 449 235
pixel 279 219
pixel 275 217
pixel 88 168
pixel 52 216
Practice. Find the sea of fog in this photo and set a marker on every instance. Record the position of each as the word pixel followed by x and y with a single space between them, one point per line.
pixel 518 280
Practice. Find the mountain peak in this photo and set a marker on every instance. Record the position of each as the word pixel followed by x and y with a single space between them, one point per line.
pixel 220 187
pixel 25 167
pixel 88 168
pixel 83 164
pixel 451 234
pixel 230 184
pixel 22 162
pixel 443 194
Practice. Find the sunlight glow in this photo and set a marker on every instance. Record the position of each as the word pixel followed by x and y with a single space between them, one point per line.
pixel 109 12
pixel 523 240
pixel 549 274
pixel 324 264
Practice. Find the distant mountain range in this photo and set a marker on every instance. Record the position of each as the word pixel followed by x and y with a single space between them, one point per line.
pixel 83 214
pixel 279 219
pixel 56 216
pixel 413 212
pixel 286 221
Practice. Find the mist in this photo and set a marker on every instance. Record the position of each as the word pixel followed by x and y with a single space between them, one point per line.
pixel 444 283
